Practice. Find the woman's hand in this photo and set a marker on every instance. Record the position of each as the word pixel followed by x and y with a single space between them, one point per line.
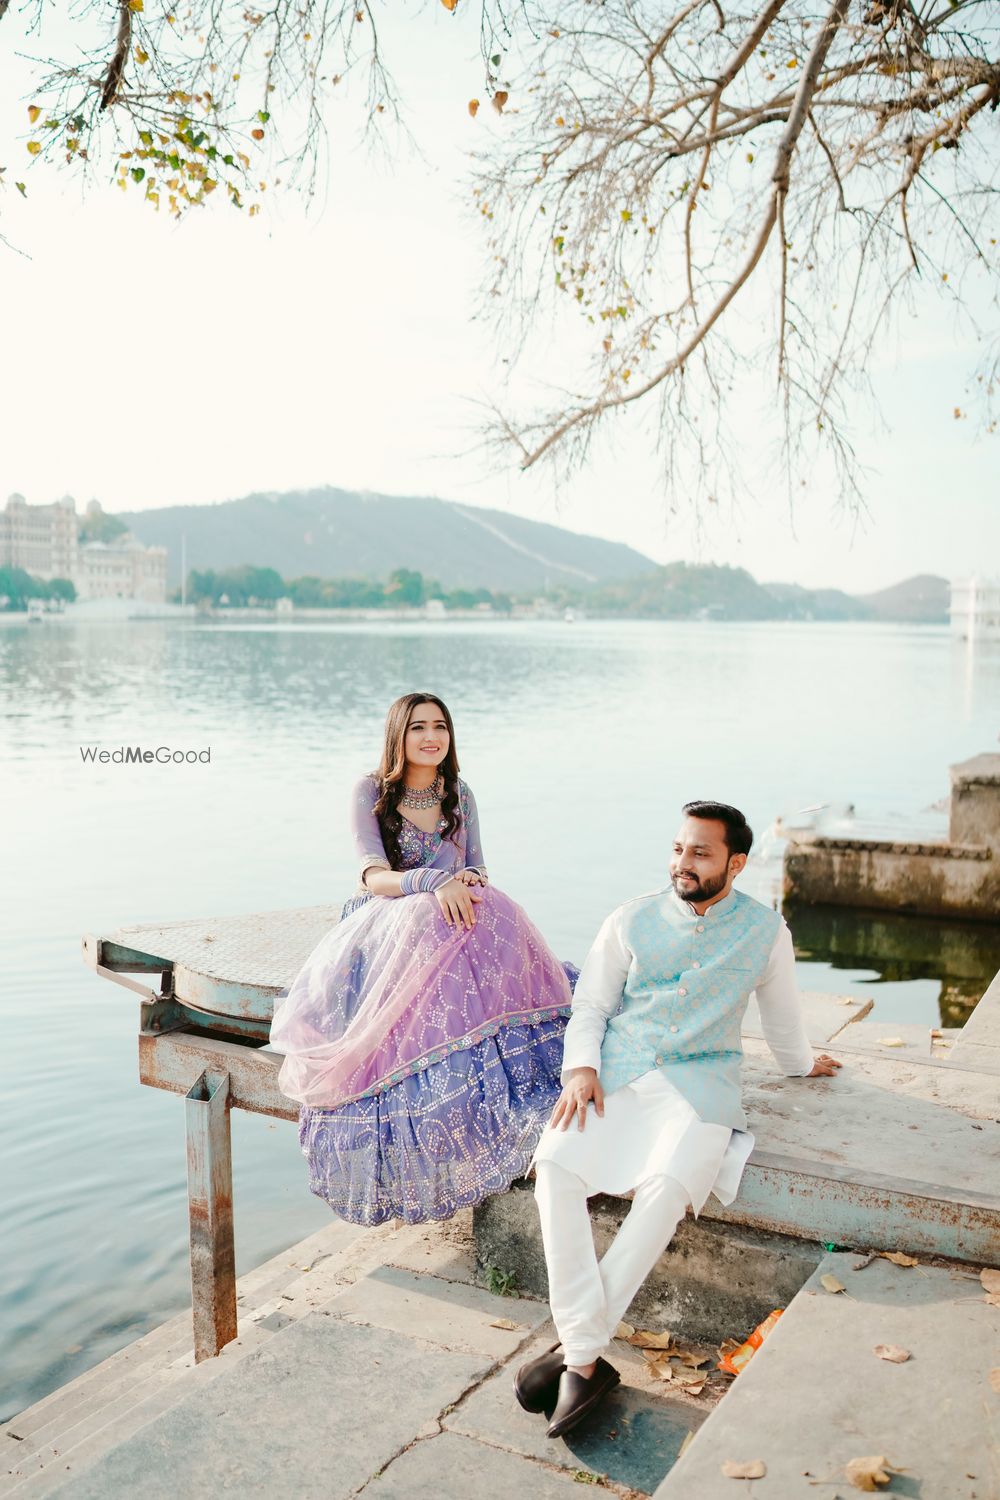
pixel 458 903
pixel 470 877
pixel 582 1085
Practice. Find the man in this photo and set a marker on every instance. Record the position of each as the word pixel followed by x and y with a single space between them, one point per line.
pixel 654 1045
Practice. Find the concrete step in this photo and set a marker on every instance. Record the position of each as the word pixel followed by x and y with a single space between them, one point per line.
pixel 815 1395
pixel 138 1383
pixel 825 1015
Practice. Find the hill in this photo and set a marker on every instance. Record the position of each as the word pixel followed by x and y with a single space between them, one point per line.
pixel 923 599
pixel 330 533
pixel 690 591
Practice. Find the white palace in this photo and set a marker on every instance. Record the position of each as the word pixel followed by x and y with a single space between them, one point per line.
pixel 44 541
pixel 975 609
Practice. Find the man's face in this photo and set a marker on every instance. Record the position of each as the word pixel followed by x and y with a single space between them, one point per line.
pixel 701 866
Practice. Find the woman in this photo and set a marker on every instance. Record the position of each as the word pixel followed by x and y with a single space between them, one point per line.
pixel 423 1036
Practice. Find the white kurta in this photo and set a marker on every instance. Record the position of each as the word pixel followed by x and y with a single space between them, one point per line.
pixel 648 1128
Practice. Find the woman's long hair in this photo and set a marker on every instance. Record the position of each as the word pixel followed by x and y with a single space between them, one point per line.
pixel 393 766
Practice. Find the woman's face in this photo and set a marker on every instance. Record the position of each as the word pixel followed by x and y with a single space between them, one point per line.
pixel 427 737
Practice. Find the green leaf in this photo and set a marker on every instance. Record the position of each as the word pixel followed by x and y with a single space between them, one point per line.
pixel 146 137
pixel 495 60
pixel 21 189
pixel 138 173
pixel 230 161
pixel 174 161
pixel 263 116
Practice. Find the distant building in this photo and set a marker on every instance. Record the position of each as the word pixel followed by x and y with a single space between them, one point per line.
pixel 43 540
pixel 122 569
pixel 975 609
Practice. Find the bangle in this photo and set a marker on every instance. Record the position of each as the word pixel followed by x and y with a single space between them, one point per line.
pixel 423 879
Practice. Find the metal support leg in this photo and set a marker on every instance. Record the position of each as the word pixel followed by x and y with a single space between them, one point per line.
pixel 210 1205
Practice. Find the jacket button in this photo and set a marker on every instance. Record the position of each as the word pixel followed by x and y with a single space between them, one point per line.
pixel 659 1062
pixel 673 1028
pixel 696 964
pixel 700 927
pixel 682 991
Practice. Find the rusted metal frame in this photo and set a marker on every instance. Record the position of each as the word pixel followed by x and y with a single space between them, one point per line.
pixel 176 1059
pixel 210 1209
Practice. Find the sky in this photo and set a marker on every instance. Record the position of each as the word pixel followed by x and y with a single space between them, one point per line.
pixel 150 363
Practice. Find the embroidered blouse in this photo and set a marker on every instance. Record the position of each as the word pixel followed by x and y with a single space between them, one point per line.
pixel 463 851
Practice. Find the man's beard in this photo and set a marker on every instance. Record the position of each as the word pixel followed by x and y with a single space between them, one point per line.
pixel 704 890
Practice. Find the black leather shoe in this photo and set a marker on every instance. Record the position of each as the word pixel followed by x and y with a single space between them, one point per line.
pixel 536 1384
pixel 579 1395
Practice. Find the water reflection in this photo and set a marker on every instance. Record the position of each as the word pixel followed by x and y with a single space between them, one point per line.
pixel 962 957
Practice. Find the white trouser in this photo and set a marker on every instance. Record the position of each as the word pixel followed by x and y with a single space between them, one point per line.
pixel 588 1299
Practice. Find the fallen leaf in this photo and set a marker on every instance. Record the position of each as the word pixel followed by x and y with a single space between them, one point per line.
pixel 831 1283
pixel 754 1468
pixel 993 1298
pixel 891 1041
pixel 898 1258
pixel 691 1354
pixel 504 1323
pixel 990 1280
pixel 499 99
pixel 624 1331
pixel 869 1473
pixel 645 1338
pixel 859 1265
pixel 846 1000
pixel 994 1379
pixel 892 1352
pixel 688 1440
pixel 473 107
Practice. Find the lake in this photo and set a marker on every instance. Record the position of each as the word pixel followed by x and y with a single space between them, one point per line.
pixel 580 741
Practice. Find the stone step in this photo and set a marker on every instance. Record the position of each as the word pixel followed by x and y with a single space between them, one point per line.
pixel 815 1396
pixel 138 1383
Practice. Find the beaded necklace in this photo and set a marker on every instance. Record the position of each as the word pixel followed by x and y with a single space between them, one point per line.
pixel 421 799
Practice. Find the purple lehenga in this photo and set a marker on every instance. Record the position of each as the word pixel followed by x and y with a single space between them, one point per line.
pixel 426 1058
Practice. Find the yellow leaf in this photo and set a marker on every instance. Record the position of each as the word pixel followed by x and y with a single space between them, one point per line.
pixel 794 63
pixel 560 120
pixel 505 1323
pixel 869 1473
pixel 449 4
pixel 135 5
pixel 891 1041
pixel 34 147
pixel 831 1284
pixel 624 1331
pixel 994 1379
pixel 898 1258
pixel 140 56
pixel 499 100
pixel 34 110
pixel 626 216
pixel 473 107
pixel 892 1352
pixel 644 1338
pixel 990 1280
pixel 754 1468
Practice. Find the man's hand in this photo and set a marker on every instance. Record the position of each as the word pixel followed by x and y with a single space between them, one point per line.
pixel 582 1085
pixel 824 1066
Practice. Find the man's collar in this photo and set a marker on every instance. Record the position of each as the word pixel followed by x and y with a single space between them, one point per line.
pixel 717 908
